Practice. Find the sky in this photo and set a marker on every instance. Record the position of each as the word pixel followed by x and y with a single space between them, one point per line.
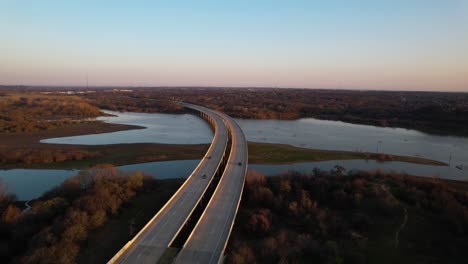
pixel 361 44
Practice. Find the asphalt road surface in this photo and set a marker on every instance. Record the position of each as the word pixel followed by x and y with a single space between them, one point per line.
pixel 151 242
pixel 209 238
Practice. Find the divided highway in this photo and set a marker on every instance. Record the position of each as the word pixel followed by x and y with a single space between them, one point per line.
pixel 152 241
pixel 209 238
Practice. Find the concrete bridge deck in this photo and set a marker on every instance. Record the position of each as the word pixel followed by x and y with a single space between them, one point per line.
pixel 152 241
pixel 208 240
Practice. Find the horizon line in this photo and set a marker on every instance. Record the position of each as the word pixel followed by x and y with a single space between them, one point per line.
pixel 224 87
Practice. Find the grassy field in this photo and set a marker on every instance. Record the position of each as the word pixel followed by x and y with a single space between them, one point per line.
pixel 259 153
pixel 123 154
pixel 264 153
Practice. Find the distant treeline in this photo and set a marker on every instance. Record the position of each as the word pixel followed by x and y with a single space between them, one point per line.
pixel 435 112
pixel 30 112
pixel 147 102
pixel 56 225
pixel 365 217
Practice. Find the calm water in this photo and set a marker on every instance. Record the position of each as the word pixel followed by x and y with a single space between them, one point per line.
pixel 29 184
pixel 308 133
pixel 335 135
pixel 160 128
pixel 392 166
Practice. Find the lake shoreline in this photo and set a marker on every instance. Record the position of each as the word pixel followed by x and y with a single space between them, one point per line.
pixel 273 154
pixel 79 129
pixel 259 153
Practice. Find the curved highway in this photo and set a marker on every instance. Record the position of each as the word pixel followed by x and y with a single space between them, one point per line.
pixel 209 238
pixel 152 241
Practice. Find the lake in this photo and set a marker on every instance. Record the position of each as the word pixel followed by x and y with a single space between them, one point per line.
pixel 336 135
pixel 306 132
pixel 28 184
pixel 160 128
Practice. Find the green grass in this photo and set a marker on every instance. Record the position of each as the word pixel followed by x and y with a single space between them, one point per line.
pixel 265 153
pixel 259 153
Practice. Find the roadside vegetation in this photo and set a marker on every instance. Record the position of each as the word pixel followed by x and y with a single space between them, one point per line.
pixel 322 217
pixel 102 244
pixel 365 217
pixel 59 224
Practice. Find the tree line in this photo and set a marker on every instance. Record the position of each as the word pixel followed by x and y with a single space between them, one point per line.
pixel 443 113
pixel 434 112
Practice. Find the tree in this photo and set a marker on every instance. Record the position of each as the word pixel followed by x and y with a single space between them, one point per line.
pixel 10 214
pixel 97 219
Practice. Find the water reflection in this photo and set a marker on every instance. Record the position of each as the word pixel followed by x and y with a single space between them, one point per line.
pixel 335 135
pixel 160 128
pixel 29 183
pixel 349 165
pixel 307 132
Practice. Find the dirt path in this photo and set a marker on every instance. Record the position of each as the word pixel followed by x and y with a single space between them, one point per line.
pixel 397 234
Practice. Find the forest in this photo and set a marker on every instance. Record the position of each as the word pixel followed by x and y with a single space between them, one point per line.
pixel 444 113
pixel 360 217
pixel 324 217
pixel 433 112
pixel 60 221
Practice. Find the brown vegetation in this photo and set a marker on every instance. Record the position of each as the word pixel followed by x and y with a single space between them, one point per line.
pixel 141 101
pixel 444 113
pixel 434 112
pixel 24 149
pixel 57 224
pixel 332 217
pixel 25 112
pixel 40 155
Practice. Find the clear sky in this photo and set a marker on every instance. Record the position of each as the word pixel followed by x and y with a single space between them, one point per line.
pixel 392 44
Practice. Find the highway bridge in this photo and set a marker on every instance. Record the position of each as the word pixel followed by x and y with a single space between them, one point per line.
pixel 219 178
pixel 209 238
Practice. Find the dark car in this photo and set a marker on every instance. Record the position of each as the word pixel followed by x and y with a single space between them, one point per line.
pixel 240 163
pixel 204 176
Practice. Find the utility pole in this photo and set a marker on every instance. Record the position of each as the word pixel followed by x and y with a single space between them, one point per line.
pixel 377 146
